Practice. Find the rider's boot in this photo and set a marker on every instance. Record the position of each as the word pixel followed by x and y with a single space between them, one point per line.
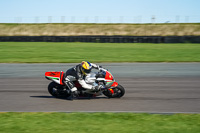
pixel 74 93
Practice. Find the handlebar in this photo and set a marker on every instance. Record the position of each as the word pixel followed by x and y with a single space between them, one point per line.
pixel 102 69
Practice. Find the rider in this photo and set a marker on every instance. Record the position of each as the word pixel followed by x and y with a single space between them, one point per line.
pixel 79 72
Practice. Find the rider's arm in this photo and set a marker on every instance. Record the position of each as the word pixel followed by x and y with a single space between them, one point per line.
pixel 95 66
pixel 84 84
pixel 81 80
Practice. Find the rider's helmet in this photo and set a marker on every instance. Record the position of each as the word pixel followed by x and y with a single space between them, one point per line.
pixel 86 67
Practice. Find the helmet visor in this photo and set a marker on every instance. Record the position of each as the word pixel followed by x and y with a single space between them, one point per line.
pixel 86 70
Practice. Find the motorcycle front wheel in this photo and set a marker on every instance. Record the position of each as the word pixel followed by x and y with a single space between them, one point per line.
pixel 116 92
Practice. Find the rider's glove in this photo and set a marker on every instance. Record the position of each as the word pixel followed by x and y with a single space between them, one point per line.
pixel 99 67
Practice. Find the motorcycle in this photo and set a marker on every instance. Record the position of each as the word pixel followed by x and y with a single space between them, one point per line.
pixel 111 88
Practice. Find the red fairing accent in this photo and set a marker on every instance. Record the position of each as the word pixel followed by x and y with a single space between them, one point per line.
pixel 58 75
pixel 53 74
pixel 108 76
pixel 61 78
pixel 115 84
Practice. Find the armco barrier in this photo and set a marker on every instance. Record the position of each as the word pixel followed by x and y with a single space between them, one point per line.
pixel 103 39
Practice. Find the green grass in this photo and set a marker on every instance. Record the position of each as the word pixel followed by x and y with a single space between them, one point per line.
pixel 44 52
pixel 98 123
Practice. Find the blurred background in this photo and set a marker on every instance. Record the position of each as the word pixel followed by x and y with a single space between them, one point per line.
pixel 100 18
pixel 140 19
pixel 104 11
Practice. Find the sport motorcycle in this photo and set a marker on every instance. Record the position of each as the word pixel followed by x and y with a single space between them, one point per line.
pixel 111 88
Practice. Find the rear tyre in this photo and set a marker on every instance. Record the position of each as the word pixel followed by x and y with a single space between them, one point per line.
pixel 57 90
pixel 119 91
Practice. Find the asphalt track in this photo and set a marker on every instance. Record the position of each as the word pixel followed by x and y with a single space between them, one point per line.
pixel 150 87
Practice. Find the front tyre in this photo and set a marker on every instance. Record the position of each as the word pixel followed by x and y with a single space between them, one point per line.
pixel 116 92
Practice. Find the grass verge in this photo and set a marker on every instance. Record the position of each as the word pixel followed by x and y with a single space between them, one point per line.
pixel 98 123
pixel 44 52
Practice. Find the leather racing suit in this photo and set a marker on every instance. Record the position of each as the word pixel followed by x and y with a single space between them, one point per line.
pixel 75 74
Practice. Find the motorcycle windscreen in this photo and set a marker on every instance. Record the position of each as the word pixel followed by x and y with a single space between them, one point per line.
pixel 55 76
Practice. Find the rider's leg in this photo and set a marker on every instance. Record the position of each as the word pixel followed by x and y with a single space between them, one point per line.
pixel 70 84
pixel 73 89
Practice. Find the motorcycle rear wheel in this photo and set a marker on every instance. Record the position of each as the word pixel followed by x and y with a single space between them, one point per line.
pixel 56 90
pixel 119 91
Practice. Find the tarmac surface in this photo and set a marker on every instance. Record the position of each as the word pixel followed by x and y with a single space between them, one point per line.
pixel 150 88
